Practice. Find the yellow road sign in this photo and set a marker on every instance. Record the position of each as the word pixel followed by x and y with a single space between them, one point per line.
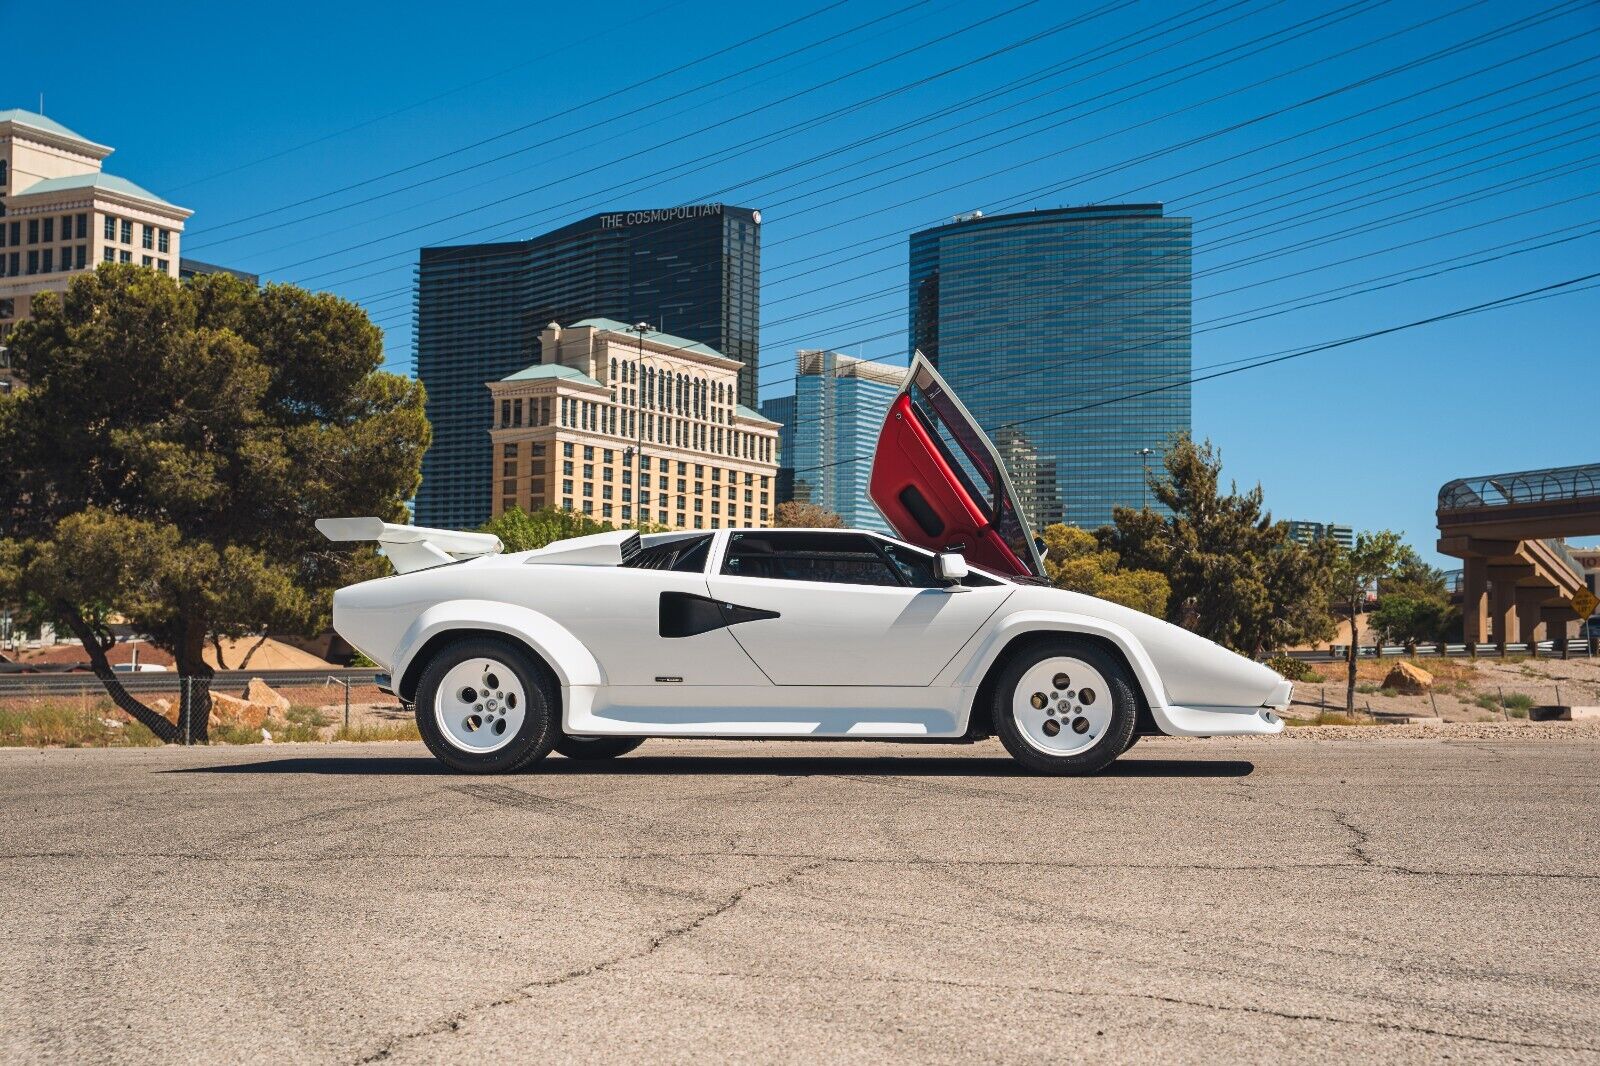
pixel 1584 603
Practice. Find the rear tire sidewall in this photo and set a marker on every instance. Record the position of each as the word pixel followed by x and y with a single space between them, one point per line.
pixel 1123 706
pixel 539 728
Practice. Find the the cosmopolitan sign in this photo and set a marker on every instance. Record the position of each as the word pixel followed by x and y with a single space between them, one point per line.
pixel 668 214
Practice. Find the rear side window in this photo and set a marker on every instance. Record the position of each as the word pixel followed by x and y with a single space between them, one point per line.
pixel 836 558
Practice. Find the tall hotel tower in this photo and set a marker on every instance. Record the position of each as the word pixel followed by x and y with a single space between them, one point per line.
pixel 692 272
pixel 1032 315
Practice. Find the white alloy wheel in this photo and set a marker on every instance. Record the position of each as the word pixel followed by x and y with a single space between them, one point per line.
pixel 480 705
pixel 1062 706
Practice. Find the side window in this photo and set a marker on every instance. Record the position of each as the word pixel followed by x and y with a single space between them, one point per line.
pixel 916 568
pixel 836 558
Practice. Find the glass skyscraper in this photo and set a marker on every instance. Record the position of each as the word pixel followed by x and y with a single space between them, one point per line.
pixel 1036 317
pixel 694 272
pixel 839 407
pixel 780 409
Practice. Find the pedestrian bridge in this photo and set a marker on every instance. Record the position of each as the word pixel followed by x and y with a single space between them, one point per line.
pixel 1517 578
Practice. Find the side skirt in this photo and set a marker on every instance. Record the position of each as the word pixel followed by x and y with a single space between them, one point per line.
pixel 766 711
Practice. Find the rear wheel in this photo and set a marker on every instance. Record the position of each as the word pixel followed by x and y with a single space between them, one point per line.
pixel 596 747
pixel 1065 706
pixel 485 706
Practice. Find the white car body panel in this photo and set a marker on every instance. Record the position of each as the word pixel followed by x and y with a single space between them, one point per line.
pixel 840 660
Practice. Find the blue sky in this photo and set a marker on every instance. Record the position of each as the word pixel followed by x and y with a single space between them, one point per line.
pixel 1320 150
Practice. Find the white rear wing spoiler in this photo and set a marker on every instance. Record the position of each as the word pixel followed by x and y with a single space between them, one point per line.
pixel 412 547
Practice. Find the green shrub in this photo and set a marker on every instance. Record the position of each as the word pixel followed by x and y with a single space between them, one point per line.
pixel 1519 701
pixel 1294 669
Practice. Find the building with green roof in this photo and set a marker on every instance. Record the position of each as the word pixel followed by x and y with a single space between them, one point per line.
pixel 61 214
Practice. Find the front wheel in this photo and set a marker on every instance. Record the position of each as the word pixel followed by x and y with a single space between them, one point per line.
pixel 1065 706
pixel 596 747
pixel 485 706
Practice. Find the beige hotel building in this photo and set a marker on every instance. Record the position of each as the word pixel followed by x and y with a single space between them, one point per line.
pixel 566 431
pixel 61 214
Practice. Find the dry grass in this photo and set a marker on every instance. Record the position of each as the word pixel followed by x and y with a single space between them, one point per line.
pixel 406 730
pixel 84 723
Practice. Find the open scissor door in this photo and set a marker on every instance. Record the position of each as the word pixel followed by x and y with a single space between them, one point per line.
pixel 940 483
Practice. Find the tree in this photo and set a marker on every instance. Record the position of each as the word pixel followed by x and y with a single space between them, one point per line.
pixel 1370 561
pixel 797 514
pixel 1235 576
pixel 170 451
pixel 521 530
pixel 1075 561
pixel 1413 603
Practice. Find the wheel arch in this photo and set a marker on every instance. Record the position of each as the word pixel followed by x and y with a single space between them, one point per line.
pixel 1028 628
pixel 552 646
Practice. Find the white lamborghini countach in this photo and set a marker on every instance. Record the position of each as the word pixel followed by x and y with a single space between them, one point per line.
pixel 944 633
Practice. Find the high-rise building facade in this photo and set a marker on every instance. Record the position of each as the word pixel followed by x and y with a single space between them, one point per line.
pixel 693 272
pixel 1304 532
pixel 631 426
pixel 1046 323
pixel 839 406
pixel 61 215
pixel 780 409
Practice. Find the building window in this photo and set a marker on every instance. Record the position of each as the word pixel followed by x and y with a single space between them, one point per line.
pixel 33 262
pixel 111 228
pixel 127 231
pixel 49 230
pixel 163 241
pixel 509 451
pixel 124 256
pixel 147 236
pixel 83 256
pixel 566 450
pixel 111 255
pixel 83 226
pixel 161 265
pixel 145 260
pixel 33 231
pixel 49 260
pixel 5 172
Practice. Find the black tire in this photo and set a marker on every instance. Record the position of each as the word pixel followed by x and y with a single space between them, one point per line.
pixel 540 703
pixel 1133 738
pixel 596 747
pixel 1115 711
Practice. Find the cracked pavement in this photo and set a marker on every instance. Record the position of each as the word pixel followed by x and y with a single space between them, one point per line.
pixel 694 901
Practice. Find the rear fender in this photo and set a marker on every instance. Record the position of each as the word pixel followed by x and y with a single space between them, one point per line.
pixel 566 655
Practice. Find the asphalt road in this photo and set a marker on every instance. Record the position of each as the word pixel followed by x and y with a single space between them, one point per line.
pixel 1284 899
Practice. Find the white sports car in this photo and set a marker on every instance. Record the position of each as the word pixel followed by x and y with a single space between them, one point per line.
pixel 593 644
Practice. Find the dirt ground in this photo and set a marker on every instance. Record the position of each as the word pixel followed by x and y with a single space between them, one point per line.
pixel 1461 688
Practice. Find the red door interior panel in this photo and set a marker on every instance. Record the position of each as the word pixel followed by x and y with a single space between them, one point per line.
pixel 928 500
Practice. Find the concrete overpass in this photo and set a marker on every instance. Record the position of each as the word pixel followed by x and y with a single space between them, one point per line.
pixel 1517 578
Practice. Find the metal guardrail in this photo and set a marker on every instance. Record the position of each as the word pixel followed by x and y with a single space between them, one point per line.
pixel 55 684
pixel 1576 648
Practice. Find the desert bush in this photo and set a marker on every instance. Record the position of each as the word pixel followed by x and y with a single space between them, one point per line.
pixel 1294 669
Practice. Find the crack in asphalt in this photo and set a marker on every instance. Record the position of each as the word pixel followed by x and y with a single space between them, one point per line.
pixel 844 860
pixel 655 943
pixel 1084 993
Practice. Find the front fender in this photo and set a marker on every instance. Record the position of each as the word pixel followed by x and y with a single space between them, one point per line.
pixel 1172 719
pixel 566 654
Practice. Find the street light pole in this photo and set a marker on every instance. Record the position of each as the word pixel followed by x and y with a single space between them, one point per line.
pixel 1144 485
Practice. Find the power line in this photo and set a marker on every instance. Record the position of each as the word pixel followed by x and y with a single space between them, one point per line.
pixel 1515 26
pixel 502 72
pixel 530 125
pixel 1285 355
